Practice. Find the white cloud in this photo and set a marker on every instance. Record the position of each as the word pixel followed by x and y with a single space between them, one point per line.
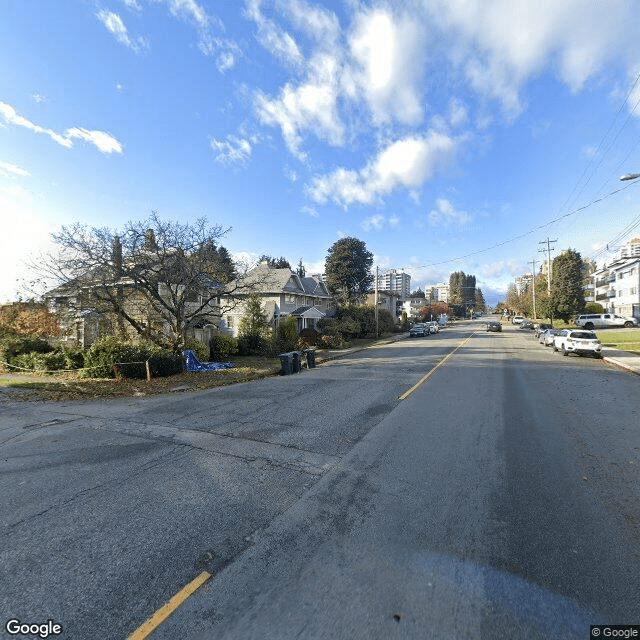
pixel 500 44
pixel 407 163
pixel 374 222
pixel 502 268
pixel 315 21
pixel 104 142
pixel 275 40
pixel 394 222
pixel 8 169
pixel 39 98
pixel 225 50
pixel 11 116
pixel 233 150
pixel 388 55
pixel 445 214
pixel 309 211
pixel 188 10
pixel 134 5
pixel 310 106
pixel 114 24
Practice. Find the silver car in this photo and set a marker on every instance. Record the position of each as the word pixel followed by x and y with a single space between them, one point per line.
pixel 546 336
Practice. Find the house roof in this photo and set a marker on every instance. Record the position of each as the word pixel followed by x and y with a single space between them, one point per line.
pixel 265 279
pixel 307 312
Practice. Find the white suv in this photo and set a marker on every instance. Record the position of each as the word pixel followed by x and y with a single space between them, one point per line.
pixel 577 341
pixel 604 320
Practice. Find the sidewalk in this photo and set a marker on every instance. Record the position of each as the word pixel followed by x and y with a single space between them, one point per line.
pixel 324 355
pixel 623 359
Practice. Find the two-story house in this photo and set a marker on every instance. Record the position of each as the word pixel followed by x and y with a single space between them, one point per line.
pixel 283 293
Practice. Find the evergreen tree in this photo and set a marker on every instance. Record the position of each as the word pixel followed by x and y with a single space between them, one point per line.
pixel 567 292
pixel 254 322
pixel 348 269
pixel 275 263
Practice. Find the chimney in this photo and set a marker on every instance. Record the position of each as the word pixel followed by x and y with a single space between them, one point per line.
pixel 150 240
pixel 116 257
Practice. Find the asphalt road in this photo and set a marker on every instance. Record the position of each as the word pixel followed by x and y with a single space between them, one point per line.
pixel 499 499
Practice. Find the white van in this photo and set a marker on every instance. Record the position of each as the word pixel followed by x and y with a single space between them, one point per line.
pixel 604 320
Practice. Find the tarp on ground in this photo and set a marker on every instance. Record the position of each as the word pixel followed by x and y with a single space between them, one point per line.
pixel 193 364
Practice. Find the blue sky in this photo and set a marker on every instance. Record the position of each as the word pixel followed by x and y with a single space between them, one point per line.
pixel 446 134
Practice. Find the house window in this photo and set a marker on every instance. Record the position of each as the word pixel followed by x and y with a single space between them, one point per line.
pixel 633 291
pixel 230 322
pixel 290 298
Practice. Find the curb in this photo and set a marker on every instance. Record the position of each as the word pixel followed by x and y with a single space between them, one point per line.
pixel 622 365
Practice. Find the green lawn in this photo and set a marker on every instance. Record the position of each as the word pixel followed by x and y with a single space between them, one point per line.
pixel 625 340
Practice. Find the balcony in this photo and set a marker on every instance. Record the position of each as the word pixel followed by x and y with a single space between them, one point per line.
pixel 611 293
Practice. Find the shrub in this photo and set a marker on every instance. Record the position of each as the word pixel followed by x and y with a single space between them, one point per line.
pixel 16 345
pixel 287 334
pixel 28 361
pixel 222 347
pixel 73 356
pixel 593 307
pixel 199 348
pixel 335 341
pixel 309 337
pixel 105 352
pixel 254 345
pixel 102 355
pixel 162 362
pixel 386 321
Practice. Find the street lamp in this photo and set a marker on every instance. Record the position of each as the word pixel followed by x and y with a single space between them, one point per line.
pixel 629 176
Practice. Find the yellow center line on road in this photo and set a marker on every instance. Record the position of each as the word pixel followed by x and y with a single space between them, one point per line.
pixel 427 375
pixel 165 611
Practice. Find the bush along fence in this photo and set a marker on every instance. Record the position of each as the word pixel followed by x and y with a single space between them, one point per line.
pixel 106 358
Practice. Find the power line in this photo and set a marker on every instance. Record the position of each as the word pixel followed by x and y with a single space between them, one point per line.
pixel 523 235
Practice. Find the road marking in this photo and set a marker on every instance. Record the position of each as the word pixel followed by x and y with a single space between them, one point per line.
pixel 165 611
pixel 427 375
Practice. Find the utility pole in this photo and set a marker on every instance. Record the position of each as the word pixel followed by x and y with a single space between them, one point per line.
pixel 533 262
pixel 375 298
pixel 548 242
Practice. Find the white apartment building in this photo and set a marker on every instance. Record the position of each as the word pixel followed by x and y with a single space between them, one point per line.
pixel 617 285
pixel 523 283
pixel 397 282
pixel 412 306
pixel 440 292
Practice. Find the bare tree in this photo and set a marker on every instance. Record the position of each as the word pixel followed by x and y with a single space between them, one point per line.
pixel 156 277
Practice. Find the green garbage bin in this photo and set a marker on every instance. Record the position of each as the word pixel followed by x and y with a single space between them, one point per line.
pixel 296 366
pixel 286 362
pixel 311 358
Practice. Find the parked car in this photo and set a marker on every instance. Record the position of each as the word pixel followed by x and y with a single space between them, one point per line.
pixel 546 337
pixel 604 320
pixel 526 324
pixel 434 327
pixel 577 341
pixel 494 325
pixel 517 319
pixel 540 327
pixel 419 330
